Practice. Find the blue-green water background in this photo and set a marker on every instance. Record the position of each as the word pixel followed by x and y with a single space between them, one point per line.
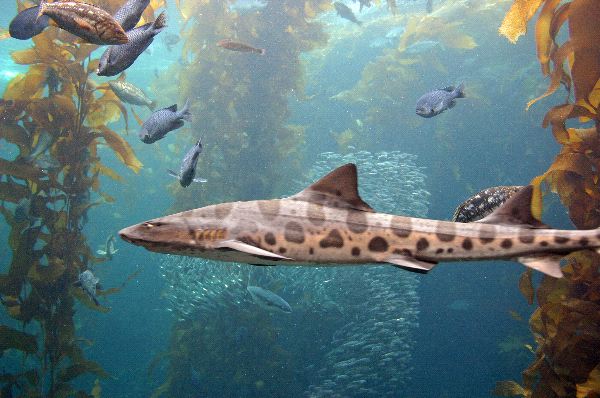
pixel 493 142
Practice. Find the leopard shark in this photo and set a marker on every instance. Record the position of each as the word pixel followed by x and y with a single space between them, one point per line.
pixel 329 224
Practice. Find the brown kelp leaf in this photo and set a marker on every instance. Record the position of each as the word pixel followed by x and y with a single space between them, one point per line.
pixel 96 390
pixel 19 169
pixel 543 37
pixel 25 57
pixel 121 149
pixel 11 338
pixel 537 203
pixel 585 38
pixel 79 368
pixel 591 388
pixel 47 273
pixel 28 85
pixel 85 300
pixel 107 171
pixel 526 286
pixel 12 192
pixel 515 21
pixel 508 388
pixel 558 74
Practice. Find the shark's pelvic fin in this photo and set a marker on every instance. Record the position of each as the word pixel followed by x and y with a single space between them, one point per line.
pixel 411 264
pixel 515 211
pixel 339 187
pixel 249 249
pixel 549 264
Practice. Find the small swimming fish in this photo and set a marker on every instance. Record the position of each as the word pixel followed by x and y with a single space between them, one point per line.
pixel 437 101
pixel 27 25
pixel 187 172
pixel 345 12
pixel 162 121
pixel 484 202
pixel 52 81
pixel 130 13
pixel 131 94
pixel 88 283
pixel 108 250
pixel 429 6
pixel 268 300
pixel 241 47
pixel 91 23
pixel 44 142
pixel 116 59
pixel 170 40
pixel 363 3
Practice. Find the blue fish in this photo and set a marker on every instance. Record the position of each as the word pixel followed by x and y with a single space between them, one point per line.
pixel 130 13
pixel 268 300
pixel 162 121
pixel 187 173
pixel 26 24
pixel 437 101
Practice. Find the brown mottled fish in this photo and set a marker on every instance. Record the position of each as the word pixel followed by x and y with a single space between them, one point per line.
pixel 329 224
pixel 237 46
pixel 91 23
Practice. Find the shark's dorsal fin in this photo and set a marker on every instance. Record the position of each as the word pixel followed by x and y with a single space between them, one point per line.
pixel 337 189
pixel 515 211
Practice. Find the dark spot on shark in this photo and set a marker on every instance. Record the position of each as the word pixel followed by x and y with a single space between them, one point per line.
pixel 357 221
pixel 294 232
pixel 222 210
pixel 315 214
pixel 269 208
pixel 467 244
pixel 403 252
pixel 355 251
pixel 270 239
pixel 543 243
pixel 506 243
pixel 311 251
pixel 561 239
pixel 401 226
pixel 445 237
pixel 378 244
pixel 439 251
pixel 422 244
pixel 526 238
pixel 450 250
pixel 282 250
pixel 584 241
pixel 250 241
pixel 333 239
pixel 338 192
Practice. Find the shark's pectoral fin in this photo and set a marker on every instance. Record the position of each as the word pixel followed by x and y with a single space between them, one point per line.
pixel 549 264
pixel 249 249
pixel 411 264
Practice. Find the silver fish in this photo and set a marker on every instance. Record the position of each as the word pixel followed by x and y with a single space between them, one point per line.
pixel 437 101
pixel 131 94
pixel 116 59
pixel 268 300
pixel 328 223
pixel 91 23
pixel 187 173
pixel 108 250
pixel 484 202
pixel 130 13
pixel 162 121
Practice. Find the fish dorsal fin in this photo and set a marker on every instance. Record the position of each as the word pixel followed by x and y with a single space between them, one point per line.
pixel 449 89
pixel 172 108
pixel 515 211
pixel 339 188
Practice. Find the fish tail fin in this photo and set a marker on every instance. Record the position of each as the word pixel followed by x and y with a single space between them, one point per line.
pixel 185 112
pixel 41 9
pixel 160 23
pixel 549 264
pixel 460 91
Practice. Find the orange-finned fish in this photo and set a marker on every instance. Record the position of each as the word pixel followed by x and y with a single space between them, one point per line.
pixel 91 23
pixel 237 46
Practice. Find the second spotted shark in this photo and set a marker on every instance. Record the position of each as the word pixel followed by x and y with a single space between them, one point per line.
pixel 329 224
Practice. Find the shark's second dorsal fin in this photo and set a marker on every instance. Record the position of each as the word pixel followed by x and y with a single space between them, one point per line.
pixel 515 211
pixel 339 188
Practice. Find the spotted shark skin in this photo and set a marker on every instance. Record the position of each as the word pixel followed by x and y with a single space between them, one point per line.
pixel 329 224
